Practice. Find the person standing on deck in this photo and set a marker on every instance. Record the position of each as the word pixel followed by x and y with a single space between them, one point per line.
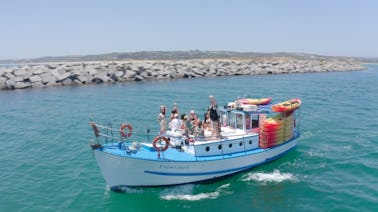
pixel 214 117
pixel 161 119
pixel 174 111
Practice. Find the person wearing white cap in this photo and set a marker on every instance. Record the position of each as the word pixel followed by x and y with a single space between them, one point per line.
pixel 193 115
pixel 161 119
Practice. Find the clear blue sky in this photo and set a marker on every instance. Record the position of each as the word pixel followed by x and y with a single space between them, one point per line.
pixel 36 28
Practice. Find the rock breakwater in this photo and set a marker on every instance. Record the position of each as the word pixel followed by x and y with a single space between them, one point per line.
pixel 79 73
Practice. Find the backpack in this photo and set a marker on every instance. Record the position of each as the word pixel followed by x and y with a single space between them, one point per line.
pixel 213 115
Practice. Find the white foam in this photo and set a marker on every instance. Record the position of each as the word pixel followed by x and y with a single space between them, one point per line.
pixel 347 147
pixel 275 176
pixel 107 190
pixel 130 190
pixel 186 192
pixel 315 154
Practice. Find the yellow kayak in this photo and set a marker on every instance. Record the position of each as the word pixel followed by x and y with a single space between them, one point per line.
pixel 289 105
pixel 261 101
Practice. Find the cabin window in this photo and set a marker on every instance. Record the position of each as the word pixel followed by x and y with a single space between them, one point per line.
pixel 232 119
pixel 255 121
pixel 248 122
pixel 224 119
pixel 239 121
pixel 236 120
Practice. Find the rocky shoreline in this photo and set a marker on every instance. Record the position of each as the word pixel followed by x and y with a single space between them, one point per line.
pixel 80 73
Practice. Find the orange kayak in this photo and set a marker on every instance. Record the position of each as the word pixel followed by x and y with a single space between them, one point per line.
pixel 289 105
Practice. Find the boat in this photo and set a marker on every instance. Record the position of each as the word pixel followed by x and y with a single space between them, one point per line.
pixel 288 105
pixel 250 137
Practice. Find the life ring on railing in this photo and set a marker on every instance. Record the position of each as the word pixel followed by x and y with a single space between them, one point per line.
pixel 159 139
pixel 126 126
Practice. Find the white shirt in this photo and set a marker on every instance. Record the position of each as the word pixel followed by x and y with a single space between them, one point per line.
pixel 175 124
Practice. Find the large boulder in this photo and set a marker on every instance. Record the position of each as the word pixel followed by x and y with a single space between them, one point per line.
pixel 22 85
pixel 130 74
pixel 139 78
pixel 37 70
pixel 67 81
pixel 2 82
pixel 35 78
pixel 63 77
pixel 19 72
pixel 48 78
pixel 2 71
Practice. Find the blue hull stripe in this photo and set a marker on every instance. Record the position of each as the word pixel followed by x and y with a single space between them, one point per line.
pixel 220 171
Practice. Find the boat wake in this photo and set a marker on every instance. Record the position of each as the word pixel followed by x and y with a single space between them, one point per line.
pixel 276 176
pixel 186 192
pixel 129 190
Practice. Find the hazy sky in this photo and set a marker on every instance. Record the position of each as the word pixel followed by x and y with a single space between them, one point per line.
pixel 36 28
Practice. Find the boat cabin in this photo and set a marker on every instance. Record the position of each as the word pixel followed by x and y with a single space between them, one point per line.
pixel 247 119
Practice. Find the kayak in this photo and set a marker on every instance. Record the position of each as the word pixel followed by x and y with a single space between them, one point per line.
pixel 248 101
pixel 276 130
pixel 276 122
pixel 289 105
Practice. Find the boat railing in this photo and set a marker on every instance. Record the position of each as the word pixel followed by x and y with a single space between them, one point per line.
pixel 108 134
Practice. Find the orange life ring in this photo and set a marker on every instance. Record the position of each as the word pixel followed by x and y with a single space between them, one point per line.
pixel 159 138
pixel 126 126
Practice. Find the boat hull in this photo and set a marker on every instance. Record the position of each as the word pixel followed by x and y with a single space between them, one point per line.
pixel 129 171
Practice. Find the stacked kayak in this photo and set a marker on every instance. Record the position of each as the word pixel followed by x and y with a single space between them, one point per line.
pixel 288 105
pixel 276 130
pixel 280 128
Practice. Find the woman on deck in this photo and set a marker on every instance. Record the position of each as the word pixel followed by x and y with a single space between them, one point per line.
pixel 161 119
pixel 214 117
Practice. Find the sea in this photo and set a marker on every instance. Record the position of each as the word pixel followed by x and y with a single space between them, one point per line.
pixel 46 163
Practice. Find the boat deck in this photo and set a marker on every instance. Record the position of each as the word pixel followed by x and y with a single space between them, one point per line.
pixel 171 154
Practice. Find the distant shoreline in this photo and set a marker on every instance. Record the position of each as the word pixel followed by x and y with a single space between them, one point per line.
pixel 177 55
pixel 98 72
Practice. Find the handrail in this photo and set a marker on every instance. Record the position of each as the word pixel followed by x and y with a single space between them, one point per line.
pixel 113 129
pixel 106 132
pixel 107 136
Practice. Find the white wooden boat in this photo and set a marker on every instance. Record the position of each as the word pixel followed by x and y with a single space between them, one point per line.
pixel 173 158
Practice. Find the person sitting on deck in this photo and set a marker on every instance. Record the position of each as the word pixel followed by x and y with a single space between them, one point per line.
pixel 198 131
pixel 206 123
pixel 182 122
pixel 193 116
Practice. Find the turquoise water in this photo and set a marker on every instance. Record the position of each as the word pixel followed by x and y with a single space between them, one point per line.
pixel 47 165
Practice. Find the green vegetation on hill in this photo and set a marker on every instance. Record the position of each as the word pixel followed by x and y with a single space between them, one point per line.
pixel 170 55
